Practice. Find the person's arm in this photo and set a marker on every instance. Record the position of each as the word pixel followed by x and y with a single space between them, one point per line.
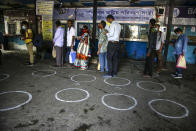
pixel 100 42
pixel 100 45
pixel 162 41
pixel 149 44
pixel 111 31
pixel 57 34
pixel 73 38
pixel 185 44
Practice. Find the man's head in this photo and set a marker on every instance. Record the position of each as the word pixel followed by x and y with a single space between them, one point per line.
pixel 25 25
pixel 110 18
pixel 58 23
pixel 178 31
pixel 102 24
pixel 152 22
pixel 70 23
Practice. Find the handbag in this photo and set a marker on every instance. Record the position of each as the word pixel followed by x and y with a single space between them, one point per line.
pixel 98 66
pixel 72 56
pixel 54 52
pixel 181 63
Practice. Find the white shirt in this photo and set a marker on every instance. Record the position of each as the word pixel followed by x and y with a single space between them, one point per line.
pixel 114 32
pixel 70 34
pixel 160 39
pixel 59 37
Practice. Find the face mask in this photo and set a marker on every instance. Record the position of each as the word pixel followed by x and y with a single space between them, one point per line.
pixel 178 35
pixel 23 27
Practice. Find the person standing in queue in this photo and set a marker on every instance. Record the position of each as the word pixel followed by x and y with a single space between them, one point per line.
pixel 102 47
pixel 159 47
pixel 83 50
pixel 180 48
pixel 113 47
pixel 151 49
pixel 28 39
pixel 58 42
pixel 70 39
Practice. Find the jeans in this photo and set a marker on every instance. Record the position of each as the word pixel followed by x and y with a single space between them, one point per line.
pixel 68 50
pixel 178 70
pixel 112 55
pixel 103 62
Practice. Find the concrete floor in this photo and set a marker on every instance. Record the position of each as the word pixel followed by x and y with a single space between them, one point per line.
pixel 45 113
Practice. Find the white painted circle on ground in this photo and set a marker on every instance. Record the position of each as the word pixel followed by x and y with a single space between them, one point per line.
pixel 11 108
pixel 157 91
pixel 173 117
pixel 59 99
pixel 126 84
pixel 72 78
pixel 114 108
pixel 5 76
pixel 53 73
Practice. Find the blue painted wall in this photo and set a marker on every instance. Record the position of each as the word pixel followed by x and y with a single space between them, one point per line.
pixel 189 56
pixel 136 50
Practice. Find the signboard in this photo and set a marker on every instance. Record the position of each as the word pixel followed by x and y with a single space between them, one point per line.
pixel 120 14
pixel 47 28
pixel 185 12
pixel 44 7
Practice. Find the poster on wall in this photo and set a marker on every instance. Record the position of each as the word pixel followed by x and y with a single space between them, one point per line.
pixel 120 14
pixel 193 29
pixel 47 28
pixel 44 7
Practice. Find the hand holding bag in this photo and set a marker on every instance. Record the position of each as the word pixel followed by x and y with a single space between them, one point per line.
pixel 181 63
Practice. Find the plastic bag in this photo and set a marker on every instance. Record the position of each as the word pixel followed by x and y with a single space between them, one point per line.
pixel 72 56
pixel 54 52
pixel 181 63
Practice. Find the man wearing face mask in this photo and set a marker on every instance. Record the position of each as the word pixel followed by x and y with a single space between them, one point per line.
pixel 151 48
pixel 159 46
pixel 27 37
pixel 180 49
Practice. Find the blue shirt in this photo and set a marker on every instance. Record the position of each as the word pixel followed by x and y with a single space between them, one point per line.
pixel 181 44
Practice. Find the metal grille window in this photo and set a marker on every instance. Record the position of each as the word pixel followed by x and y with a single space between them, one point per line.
pixel 12 28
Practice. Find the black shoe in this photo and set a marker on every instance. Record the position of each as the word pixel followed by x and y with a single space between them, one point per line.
pixel 30 65
pixel 178 76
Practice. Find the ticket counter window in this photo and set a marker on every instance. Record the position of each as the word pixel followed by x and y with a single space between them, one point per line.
pixel 12 28
pixel 143 30
pixel 134 31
